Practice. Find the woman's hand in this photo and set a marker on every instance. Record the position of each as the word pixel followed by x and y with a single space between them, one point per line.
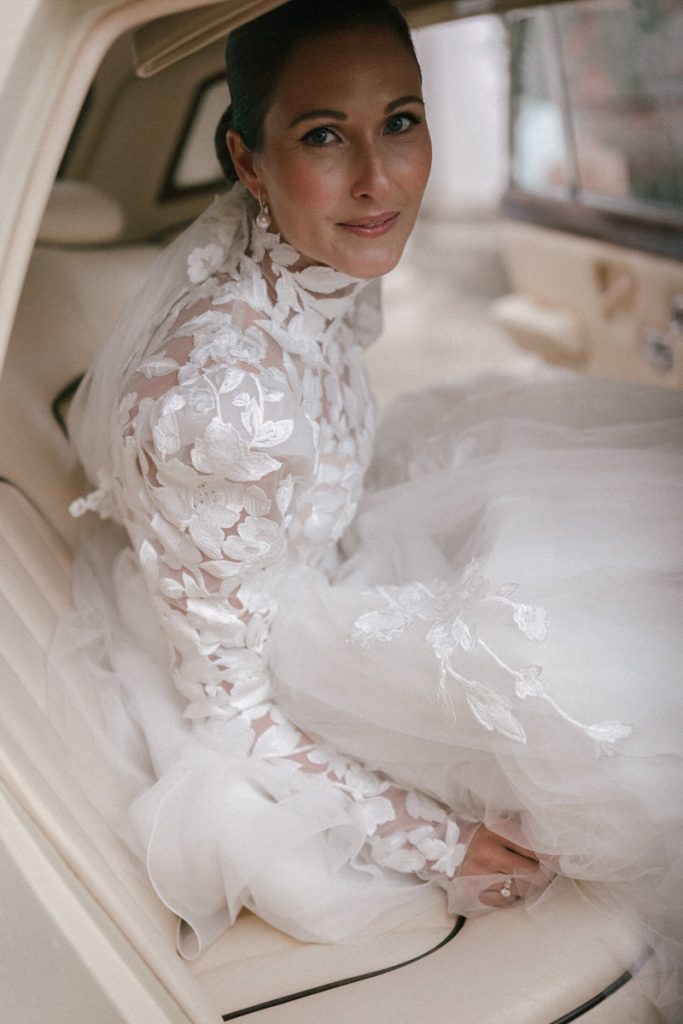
pixel 491 854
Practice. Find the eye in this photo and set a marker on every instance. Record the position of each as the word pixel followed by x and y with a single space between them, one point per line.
pixel 320 136
pixel 400 123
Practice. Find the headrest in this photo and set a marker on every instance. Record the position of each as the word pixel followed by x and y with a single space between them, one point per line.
pixel 78 213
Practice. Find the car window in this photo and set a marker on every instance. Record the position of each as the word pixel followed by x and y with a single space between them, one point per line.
pixel 597 103
pixel 195 165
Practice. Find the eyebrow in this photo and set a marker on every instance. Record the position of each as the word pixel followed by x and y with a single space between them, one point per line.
pixel 402 101
pixel 333 115
pixel 339 115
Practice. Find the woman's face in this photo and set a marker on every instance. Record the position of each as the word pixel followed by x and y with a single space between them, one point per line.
pixel 346 152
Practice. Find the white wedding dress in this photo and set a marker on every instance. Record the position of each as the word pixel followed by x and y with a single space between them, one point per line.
pixel 314 660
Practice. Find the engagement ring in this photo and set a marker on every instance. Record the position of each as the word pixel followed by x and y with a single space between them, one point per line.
pixel 506 891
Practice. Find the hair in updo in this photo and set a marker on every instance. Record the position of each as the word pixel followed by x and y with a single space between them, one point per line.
pixel 256 54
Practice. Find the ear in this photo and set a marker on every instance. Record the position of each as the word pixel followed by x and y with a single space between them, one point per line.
pixel 244 162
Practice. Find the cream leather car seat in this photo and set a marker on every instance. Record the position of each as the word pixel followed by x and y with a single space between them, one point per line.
pixel 78 280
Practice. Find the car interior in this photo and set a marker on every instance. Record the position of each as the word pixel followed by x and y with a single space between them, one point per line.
pixel 592 254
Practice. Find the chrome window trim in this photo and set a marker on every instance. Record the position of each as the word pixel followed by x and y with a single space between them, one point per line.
pixel 604 219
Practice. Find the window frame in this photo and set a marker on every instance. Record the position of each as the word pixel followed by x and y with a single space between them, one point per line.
pixel 169 190
pixel 632 222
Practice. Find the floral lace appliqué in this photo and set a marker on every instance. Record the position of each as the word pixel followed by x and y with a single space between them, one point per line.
pixel 450 611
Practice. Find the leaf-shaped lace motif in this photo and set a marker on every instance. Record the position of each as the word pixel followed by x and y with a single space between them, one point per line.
pixel 449 610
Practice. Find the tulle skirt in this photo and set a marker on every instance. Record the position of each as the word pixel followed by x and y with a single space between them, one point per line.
pixel 503 632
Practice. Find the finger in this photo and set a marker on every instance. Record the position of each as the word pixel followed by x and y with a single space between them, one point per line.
pixel 495 897
pixel 520 888
pixel 490 853
pixel 516 864
pixel 521 850
pixel 492 898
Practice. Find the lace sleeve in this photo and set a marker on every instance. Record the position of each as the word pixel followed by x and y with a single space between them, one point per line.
pixel 216 443
pixel 214 437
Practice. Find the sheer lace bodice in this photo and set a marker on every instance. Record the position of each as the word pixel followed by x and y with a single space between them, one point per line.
pixel 242 453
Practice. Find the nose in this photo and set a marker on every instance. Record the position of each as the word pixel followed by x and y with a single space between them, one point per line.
pixel 371 179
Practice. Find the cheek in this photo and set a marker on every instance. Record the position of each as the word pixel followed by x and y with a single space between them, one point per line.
pixel 304 186
pixel 417 168
pixel 407 166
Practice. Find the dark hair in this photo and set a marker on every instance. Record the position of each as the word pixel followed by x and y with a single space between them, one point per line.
pixel 256 54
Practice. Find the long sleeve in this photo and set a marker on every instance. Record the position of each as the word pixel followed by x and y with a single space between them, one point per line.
pixel 236 480
pixel 239 426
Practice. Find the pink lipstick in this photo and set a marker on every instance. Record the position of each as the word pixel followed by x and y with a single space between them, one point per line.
pixel 370 227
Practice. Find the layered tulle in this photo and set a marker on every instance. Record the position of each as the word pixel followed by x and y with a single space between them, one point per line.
pixel 503 634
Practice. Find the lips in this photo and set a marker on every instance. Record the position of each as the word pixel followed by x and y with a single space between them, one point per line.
pixel 370 227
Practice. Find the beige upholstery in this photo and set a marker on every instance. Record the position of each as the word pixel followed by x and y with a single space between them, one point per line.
pixel 80 214
pixel 589 304
pixel 538 967
pixel 70 302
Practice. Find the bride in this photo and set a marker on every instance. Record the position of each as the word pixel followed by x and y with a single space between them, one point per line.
pixel 330 669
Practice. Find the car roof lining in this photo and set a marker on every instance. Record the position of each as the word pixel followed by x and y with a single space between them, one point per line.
pixel 159 43
pixel 162 42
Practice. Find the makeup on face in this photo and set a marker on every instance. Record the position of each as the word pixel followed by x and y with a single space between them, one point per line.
pixel 346 152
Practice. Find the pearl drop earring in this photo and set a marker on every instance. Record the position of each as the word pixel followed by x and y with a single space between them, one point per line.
pixel 263 216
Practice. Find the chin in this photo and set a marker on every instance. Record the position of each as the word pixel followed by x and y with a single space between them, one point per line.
pixel 368 273
pixel 369 265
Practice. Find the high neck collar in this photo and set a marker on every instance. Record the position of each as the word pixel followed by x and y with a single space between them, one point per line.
pixel 280 259
pixel 272 274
